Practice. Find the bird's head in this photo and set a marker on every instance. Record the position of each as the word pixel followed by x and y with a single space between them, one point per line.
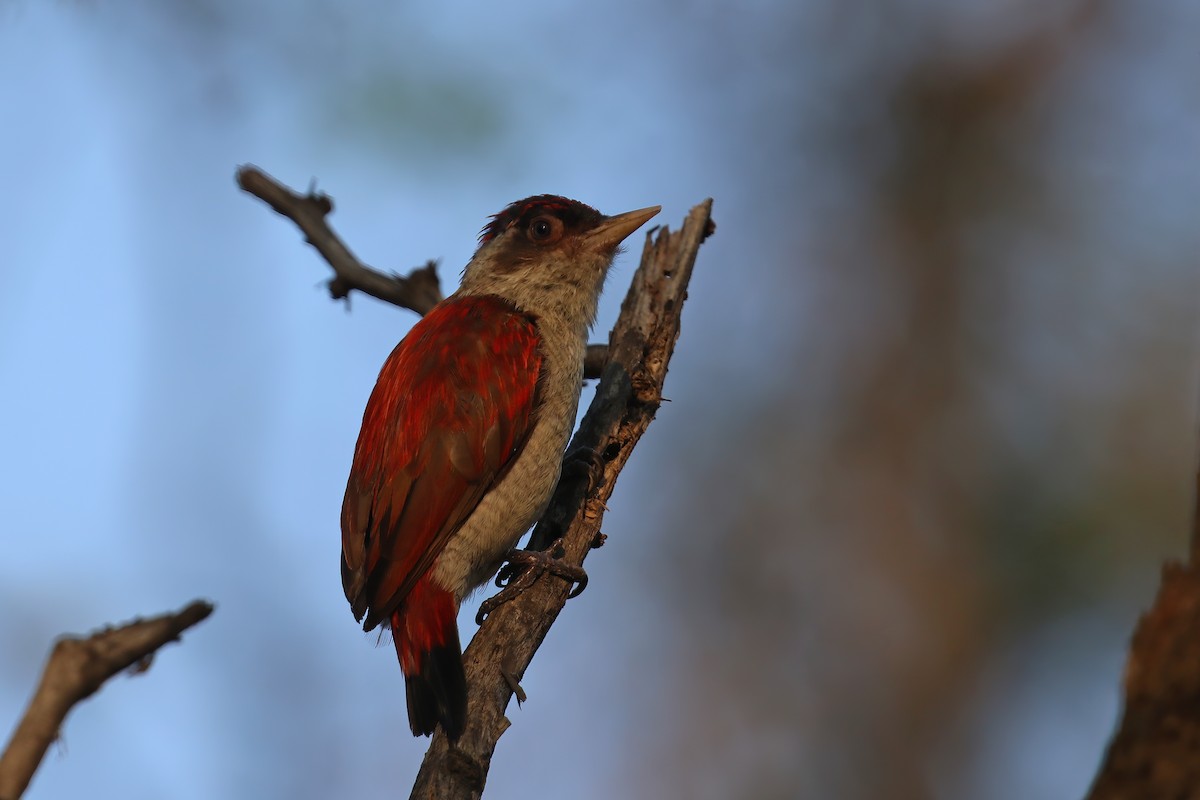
pixel 547 252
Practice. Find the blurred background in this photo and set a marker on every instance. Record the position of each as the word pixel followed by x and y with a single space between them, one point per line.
pixel 933 415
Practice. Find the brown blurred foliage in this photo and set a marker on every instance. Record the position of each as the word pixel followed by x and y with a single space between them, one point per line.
pixel 867 561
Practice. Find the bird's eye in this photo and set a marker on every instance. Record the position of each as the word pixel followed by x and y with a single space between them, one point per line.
pixel 544 229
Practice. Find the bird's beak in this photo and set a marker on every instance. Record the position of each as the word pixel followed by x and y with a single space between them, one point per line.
pixel 614 230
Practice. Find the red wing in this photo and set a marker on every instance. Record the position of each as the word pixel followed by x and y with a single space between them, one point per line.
pixel 452 404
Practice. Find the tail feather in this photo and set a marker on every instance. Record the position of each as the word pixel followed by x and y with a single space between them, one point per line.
pixel 425 630
pixel 439 693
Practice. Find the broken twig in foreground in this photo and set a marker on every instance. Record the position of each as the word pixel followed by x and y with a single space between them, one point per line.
pixel 76 670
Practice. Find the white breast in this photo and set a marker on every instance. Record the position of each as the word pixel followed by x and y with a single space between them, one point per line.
pixel 475 552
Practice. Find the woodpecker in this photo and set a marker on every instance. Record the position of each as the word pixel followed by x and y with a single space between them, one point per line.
pixel 463 436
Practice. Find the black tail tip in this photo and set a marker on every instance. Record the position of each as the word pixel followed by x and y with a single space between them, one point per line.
pixel 438 695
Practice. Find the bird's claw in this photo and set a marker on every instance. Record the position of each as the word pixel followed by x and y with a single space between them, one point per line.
pixel 523 568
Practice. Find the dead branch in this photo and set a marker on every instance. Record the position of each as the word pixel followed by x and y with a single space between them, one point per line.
pixel 1156 750
pixel 418 292
pixel 626 400
pixel 77 668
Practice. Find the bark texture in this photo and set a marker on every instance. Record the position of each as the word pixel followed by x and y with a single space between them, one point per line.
pixel 76 670
pixel 1155 752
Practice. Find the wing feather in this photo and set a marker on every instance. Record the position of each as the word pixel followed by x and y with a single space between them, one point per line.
pixel 452 405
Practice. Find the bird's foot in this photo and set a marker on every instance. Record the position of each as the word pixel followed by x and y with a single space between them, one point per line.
pixel 526 566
